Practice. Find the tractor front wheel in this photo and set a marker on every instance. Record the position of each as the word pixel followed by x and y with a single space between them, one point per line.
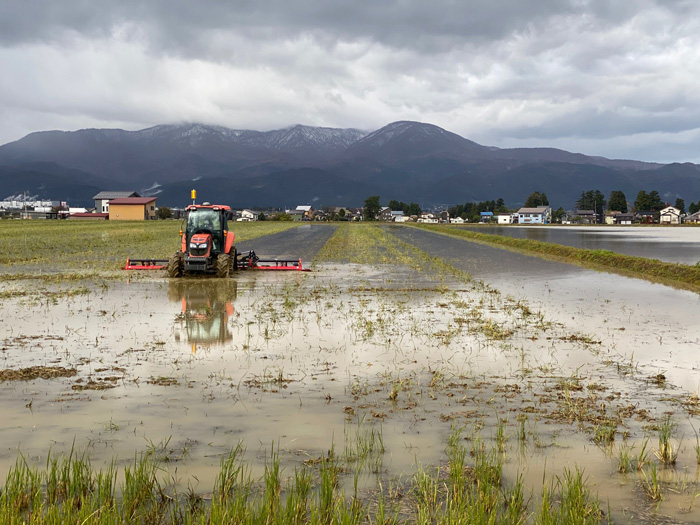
pixel 223 265
pixel 176 264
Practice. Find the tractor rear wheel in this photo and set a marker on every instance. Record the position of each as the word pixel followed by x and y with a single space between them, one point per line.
pixel 223 265
pixel 176 264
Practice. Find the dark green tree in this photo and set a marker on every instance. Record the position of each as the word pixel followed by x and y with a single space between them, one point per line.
pixel 558 214
pixel 164 212
pixel 680 204
pixel 694 208
pixel 655 202
pixel 372 208
pixel 641 203
pixel 617 201
pixel 536 199
pixel 414 209
pixel 262 217
pixel 591 200
pixel 341 213
pixel 395 205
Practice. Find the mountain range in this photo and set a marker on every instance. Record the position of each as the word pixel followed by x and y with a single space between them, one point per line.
pixel 406 161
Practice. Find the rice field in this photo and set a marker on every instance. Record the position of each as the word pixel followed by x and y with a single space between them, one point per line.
pixel 388 385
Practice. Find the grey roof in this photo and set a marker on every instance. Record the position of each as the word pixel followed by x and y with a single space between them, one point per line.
pixel 109 195
pixel 540 209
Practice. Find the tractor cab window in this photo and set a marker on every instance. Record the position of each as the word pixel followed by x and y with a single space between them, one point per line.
pixel 204 220
pixel 209 220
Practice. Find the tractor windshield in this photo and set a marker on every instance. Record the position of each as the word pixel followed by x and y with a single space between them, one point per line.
pixel 208 220
pixel 203 219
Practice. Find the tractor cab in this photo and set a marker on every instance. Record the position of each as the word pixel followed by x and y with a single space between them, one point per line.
pixel 207 245
pixel 206 229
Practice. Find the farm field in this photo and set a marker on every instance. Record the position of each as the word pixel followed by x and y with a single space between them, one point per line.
pixel 410 377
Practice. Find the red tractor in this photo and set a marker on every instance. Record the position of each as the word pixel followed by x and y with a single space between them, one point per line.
pixel 207 247
pixel 207 244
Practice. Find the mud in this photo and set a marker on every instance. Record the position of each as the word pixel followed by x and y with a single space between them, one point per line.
pixel 305 361
pixel 649 325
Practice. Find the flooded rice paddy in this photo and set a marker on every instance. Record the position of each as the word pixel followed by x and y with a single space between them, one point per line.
pixel 670 244
pixel 399 334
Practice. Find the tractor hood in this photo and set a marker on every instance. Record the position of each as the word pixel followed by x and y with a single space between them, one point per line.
pixel 200 245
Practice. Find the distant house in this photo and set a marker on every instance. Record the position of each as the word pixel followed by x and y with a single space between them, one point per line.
pixel 587 216
pixel 102 199
pixel 670 215
pixel 539 215
pixel 308 212
pixel 398 216
pixel 505 218
pixel 132 209
pixel 693 218
pixel 247 216
pixel 610 217
pixel 428 218
pixel 457 220
pixel 624 218
pixel 486 216
pixel 384 214
pixel 647 216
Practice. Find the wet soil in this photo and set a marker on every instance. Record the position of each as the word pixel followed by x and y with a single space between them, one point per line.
pixel 650 325
pixel 305 361
pixel 36 372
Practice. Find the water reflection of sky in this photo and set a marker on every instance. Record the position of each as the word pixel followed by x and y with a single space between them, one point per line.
pixel 650 324
pixel 670 244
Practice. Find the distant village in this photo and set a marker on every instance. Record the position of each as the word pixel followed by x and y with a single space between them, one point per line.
pixel 129 205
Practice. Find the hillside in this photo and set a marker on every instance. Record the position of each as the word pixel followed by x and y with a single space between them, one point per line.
pixel 404 160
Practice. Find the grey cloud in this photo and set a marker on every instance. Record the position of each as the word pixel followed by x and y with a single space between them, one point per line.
pixel 506 70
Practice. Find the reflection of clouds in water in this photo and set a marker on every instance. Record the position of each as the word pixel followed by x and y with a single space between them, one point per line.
pixel 669 244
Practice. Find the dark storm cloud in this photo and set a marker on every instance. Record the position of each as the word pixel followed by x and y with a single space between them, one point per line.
pixel 182 26
pixel 576 72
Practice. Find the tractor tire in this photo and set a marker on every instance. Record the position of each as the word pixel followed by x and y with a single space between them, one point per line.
pixel 223 266
pixel 176 264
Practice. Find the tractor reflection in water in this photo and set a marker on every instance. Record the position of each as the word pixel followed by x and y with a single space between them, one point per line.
pixel 206 308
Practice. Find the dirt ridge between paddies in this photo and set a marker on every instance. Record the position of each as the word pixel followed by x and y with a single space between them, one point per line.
pixel 671 274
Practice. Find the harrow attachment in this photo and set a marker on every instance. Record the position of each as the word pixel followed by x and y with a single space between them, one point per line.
pixel 250 261
pixel 246 261
pixel 145 264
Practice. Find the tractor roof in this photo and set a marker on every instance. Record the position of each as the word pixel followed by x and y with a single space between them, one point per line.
pixel 208 207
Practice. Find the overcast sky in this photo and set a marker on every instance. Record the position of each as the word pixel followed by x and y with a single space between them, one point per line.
pixel 617 78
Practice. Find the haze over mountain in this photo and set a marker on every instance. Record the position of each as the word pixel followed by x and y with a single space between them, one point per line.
pixel 407 161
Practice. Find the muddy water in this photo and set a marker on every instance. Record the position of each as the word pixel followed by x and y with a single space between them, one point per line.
pixel 304 361
pixel 671 244
pixel 651 325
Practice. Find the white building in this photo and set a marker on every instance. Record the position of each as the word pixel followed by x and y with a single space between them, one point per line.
pixel 670 215
pixel 248 215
